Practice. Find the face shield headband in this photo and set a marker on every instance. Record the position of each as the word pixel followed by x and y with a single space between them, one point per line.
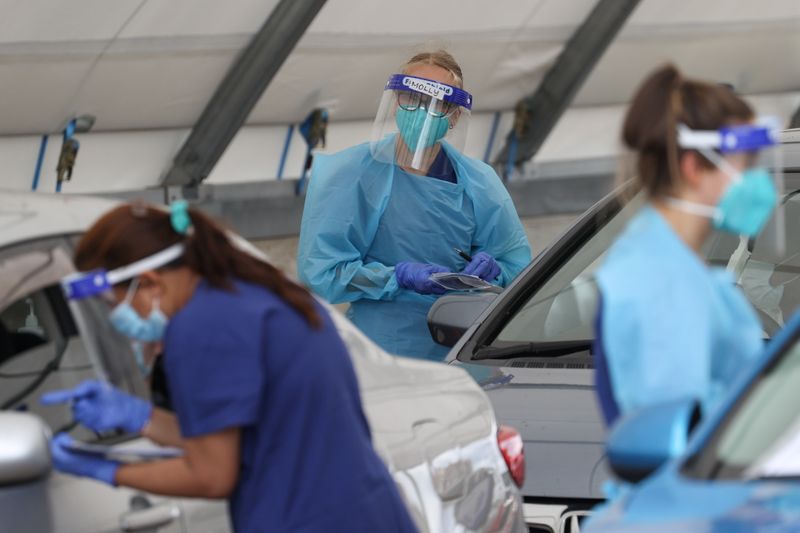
pixel 82 285
pixel 731 139
pixel 415 118
pixel 751 197
pixel 440 91
pixel 744 138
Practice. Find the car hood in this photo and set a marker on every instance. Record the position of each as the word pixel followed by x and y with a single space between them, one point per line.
pixel 417 410
pixel 669 502
pixel 557 416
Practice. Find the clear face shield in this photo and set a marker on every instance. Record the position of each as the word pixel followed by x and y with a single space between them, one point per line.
pixel 82 287
pixel 415 117
pixel 752 203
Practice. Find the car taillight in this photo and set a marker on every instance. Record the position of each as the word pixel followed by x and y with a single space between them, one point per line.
pixel 510 443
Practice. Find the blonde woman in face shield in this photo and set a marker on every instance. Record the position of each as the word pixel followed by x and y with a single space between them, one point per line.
pixel 380 218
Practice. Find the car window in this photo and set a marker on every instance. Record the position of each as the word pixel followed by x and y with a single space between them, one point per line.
pixel 110 350
pixel 761 434
pixel 40 350
pixel 564 307
pixel 46 343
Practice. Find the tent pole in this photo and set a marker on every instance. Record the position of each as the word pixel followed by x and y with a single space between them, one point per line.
pixel 561 83
pixel 239 91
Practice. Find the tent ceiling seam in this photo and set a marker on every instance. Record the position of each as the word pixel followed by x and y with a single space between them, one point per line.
pixel 71 111
pixel 519 30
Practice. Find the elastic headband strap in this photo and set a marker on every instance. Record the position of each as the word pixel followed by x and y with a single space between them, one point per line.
pixel 157 260
pixel 435 89
pixel 86 284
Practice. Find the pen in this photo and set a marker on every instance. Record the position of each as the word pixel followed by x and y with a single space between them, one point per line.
pixel 464 255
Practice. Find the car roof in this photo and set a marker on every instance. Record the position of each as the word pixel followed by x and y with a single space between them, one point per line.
pixel 26 216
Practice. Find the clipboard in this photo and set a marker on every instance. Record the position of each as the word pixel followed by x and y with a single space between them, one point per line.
pixel 454 281
pixel 138 453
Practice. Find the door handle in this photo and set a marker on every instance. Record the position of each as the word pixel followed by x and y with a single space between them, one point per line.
pixel 149 518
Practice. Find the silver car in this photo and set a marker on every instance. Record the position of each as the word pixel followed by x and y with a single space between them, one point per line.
pixel 432 425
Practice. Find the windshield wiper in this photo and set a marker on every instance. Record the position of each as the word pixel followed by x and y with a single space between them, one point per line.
pixel 779 477
pixel 531 349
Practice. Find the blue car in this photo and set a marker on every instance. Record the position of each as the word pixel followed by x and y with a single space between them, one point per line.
pixel 740 471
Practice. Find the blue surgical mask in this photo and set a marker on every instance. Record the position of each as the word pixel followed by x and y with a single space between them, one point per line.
pixel 127 321
pixel 412 123
pixel 138 353
pixel 747 203
pixel 745 206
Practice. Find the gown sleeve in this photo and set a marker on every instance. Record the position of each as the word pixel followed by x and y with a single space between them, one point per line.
pixel 499 231
pixel 347 195
pixel 658 344
pixel 214 371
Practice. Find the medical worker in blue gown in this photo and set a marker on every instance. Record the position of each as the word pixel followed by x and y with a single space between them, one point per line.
pixel 382 217
pixel 670 326
pixel 267 407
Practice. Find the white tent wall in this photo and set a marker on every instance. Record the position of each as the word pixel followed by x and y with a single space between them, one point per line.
pixel 120 161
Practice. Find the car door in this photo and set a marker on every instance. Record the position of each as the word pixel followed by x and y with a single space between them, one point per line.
pixel 43 347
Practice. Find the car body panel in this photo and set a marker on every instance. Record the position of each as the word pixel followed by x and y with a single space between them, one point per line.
pixel 433 426
pixel 554 409
pixel 670 500
pixel 557 416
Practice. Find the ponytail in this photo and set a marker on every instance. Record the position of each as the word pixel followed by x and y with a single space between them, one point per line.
pixel 131 232
pixel 211 254
pixel 664 100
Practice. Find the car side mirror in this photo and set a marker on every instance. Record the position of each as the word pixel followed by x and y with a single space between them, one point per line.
pixel 24 447
pixel 452 315
pixel 646 439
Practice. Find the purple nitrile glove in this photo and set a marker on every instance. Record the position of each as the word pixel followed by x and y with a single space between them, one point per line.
pixel 416 277
pixel 484 266
pixel 101 407
pixel 80 464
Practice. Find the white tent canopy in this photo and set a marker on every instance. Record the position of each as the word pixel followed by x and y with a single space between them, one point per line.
pixel 146 68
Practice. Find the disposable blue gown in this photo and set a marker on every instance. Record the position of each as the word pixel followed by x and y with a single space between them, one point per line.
pixel 671 327
pixel 362 217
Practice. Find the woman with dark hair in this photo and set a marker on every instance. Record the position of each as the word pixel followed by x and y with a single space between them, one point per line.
pixel 267 408
pixel 670 326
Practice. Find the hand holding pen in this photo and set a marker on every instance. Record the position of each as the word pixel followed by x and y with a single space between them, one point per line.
pixel 482 265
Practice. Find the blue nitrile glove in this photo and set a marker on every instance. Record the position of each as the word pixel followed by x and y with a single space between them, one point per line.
pixel 484 266
pixel 101 407
pixel 80 464
pixel 415 277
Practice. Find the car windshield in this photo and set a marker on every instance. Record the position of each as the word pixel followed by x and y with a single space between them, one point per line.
pixel 563 308
pixel 760 437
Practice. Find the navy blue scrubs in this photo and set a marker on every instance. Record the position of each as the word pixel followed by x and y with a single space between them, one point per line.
pixel 246 359
pixel 602 380
pixel 442 168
